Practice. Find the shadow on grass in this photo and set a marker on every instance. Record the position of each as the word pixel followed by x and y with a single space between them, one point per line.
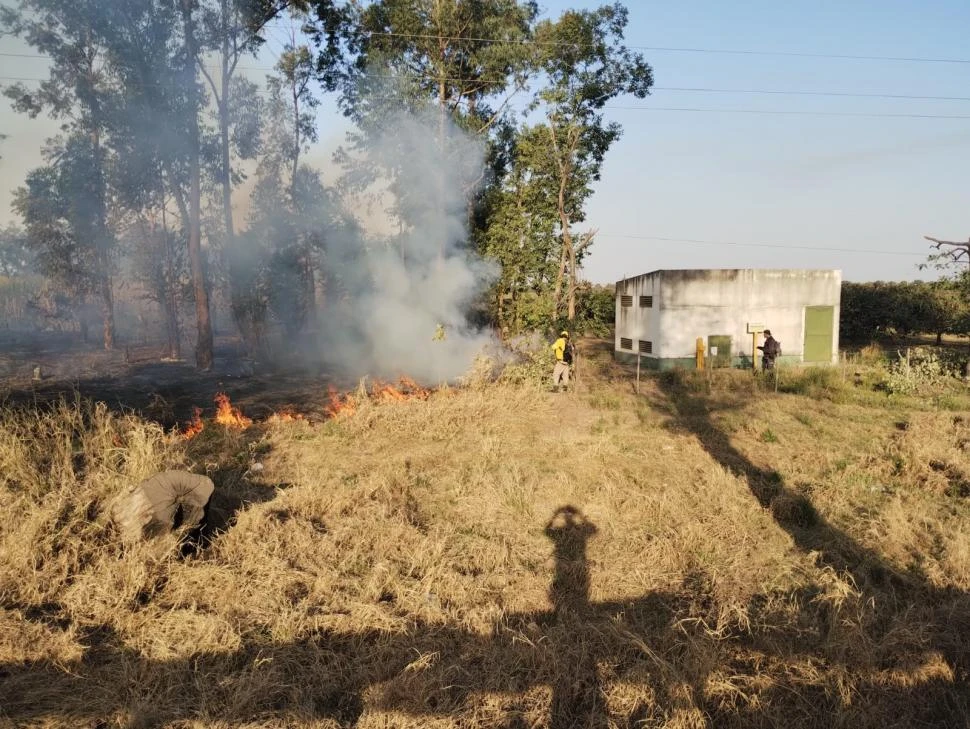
pixel 906 622
pixel 685 674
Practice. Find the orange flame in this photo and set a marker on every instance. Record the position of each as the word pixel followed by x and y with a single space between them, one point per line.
pixel 285 416
pixel 195 426
pixel 340 404
pixel 380 392
pixel 229 416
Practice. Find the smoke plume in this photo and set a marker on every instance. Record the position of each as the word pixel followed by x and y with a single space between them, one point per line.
pixel 400 304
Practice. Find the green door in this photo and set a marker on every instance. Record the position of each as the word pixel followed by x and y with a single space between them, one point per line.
pixel 819 321
pixel 721 343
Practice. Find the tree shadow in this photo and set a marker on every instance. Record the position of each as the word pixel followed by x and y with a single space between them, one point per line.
pixel 899 607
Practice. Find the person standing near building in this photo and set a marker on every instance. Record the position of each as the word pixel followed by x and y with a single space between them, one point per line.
pixel 770 351
pixel 563 350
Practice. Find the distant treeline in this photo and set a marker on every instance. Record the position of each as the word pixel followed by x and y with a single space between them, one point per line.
pixel 887 308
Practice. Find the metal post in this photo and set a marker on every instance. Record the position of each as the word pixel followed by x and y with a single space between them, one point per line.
pixel 638 372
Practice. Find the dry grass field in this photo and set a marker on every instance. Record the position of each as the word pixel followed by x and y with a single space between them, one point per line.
pixel 706 553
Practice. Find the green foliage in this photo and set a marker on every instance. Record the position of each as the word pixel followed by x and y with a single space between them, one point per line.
pixel 61 206
pixel 16 257
pixel 872 310
pixel 533 364
pixel 921 368
pixel 768 436
pixel 595 309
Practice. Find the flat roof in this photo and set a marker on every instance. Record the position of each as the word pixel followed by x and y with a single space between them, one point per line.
pixel 694 273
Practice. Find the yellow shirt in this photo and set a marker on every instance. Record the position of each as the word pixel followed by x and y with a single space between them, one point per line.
pixel 559 348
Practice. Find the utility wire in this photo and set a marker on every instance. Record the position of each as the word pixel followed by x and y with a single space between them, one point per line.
pixel 797 54
pixel 705 90
pixel 785 112
pixel 780 92
pixel 758 245
pixel 665 49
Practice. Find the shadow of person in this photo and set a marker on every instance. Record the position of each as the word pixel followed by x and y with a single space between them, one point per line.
pixel 577 696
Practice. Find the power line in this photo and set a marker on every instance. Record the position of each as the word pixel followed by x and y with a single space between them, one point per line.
pixel 787 112
pixel 774 92
pixel 759 245
pixel 663 49
pixel 809 93
pixel 693 110
pixel 674 49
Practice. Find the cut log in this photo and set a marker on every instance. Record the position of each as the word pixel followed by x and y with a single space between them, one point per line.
pixel 167 501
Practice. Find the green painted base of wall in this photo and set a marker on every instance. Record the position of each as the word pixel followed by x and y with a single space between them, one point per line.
pixel 690 363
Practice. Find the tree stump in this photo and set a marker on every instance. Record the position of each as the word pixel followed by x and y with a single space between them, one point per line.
pixel 165 502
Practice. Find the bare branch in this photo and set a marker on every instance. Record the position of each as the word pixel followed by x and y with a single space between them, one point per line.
pixel 212 84
pixel 955 250
pixel 586 240
pixel 518 87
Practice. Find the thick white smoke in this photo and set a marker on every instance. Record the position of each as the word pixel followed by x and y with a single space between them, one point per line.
pixel 407 299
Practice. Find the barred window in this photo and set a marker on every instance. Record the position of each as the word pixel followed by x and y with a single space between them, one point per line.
pixel 646 347
pixel 646 301
pixel 626 343
pixel 626 300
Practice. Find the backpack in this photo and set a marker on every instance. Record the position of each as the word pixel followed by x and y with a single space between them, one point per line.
pixel 567 354
pixel 776 348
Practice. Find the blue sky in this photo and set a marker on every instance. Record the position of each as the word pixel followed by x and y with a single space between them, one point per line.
pixel 791 182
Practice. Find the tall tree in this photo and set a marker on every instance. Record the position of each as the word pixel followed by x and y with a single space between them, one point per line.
pixel 463 61
pixel 289 201
pixel 158 262
pixel 954 257
pixel 60 207
pixel 192 208
pixel 585 65
pixel 15 255
pixel 78 91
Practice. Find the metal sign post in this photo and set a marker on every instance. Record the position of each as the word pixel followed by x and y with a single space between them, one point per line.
pixel 754 329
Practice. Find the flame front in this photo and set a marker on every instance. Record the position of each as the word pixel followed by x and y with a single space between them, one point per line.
pixel 340 404
pixel 285 416
pixel 380 392
pixel 229 416
pixel 195 426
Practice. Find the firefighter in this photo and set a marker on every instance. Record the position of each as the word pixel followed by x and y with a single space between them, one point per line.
pixel 563 349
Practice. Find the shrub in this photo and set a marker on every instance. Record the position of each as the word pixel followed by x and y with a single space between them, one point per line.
pixel 532 364
pixel 922 367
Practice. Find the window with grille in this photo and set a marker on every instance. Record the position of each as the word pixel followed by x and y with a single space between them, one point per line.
pixel 646 301
pixel 646 347
pixel 626 300
pixel 626 343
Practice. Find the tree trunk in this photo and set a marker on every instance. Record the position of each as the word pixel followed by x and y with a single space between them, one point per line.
pixel 107 312
pixel 203 350
pixel 557 294
pixel 103 274
pixel 571 311
pixel 170 302
pixel 568 254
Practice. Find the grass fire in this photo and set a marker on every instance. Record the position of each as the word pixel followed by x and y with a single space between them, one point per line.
pixel 705 552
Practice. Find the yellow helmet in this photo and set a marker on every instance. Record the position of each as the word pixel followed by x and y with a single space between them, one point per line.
pixel 563 333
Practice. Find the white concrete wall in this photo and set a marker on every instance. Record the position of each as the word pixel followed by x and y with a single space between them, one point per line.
pixel 636 322
pixel 699 303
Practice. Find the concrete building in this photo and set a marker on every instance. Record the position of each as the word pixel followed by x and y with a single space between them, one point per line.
pixel 660 315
